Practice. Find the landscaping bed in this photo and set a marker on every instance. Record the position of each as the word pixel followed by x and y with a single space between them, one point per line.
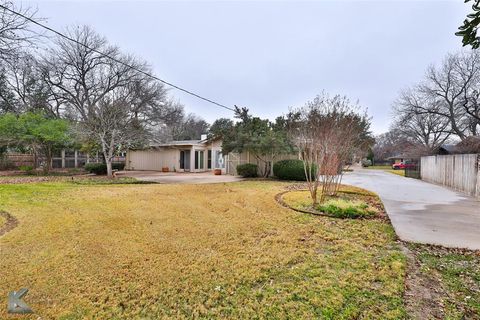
pixel 350 202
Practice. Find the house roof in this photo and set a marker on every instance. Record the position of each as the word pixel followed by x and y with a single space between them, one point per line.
pixel 450 148
pixel 398 156
pixel 179 143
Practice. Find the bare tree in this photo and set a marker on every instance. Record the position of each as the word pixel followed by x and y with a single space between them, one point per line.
pixel 24 80
pixel 427 129
pixel 326 131
pixel 389 144
pixel 113 103
pixel 190 127
pixel 15 31
pixel 7 96
pixel 451 89
pixel 177 125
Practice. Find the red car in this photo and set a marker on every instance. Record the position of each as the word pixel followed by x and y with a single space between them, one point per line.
pixel 402 165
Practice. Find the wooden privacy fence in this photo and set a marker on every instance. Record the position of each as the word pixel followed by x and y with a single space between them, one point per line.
pixel 459 171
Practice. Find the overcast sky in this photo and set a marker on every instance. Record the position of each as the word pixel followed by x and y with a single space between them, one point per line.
pixel 269 56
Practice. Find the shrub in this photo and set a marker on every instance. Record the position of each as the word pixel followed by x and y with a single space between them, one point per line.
pixel 97 168
pixel 6 164
pixel 118 166
pixel 347 209
pixel 101 168
pixel 290 170
pixel 27 169
pixel 366 163
pixel 247 170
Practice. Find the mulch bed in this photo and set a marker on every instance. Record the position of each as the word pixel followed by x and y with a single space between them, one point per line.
pixel 53 178
pixel 31 179
pixel 280 201
pixel 304 187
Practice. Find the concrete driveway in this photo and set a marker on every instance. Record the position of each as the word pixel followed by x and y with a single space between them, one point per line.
pixel 176 178
pixel 423 212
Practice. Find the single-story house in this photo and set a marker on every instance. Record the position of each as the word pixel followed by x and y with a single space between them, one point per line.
pixel 190 156
pixel 179 156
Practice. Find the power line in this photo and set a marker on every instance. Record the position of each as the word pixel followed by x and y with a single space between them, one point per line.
pixel 115 59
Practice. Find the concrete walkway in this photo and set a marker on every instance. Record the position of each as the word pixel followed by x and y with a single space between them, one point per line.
pixel 423 212
pixel 176 178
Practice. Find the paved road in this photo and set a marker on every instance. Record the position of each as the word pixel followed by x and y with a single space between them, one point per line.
pixel 423 212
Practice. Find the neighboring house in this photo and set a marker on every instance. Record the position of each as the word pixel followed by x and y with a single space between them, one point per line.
pixel 445 149
pixel 179 156
pixel 399 158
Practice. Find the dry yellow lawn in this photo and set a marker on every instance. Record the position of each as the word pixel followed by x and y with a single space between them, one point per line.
pixel 3 220
pixel 183 251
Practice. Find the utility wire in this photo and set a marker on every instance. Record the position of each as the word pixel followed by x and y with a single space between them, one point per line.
pixel 115 59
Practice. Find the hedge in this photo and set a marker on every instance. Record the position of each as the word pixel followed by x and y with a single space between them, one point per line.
pixel 290 170
pixel 101 168
pixel 247 170
pixel 366 163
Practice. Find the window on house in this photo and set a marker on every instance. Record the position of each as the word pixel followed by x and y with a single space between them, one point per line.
pixel 209 159
pixel 202 159
pixel 182 159
pixel 199 159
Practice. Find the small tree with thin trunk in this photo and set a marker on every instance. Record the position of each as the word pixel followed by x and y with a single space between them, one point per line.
pixel 263 139
pixel 327 132
pixel 33 130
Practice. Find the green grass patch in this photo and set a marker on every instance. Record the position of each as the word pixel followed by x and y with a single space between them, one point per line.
pixel 341 208
pixel 388 169
pixel 459 272
pixel 379 167
pixel 350 202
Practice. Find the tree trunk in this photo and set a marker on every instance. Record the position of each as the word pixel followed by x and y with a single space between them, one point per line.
pixel 109 167
pixel 313 193
pixel 48 165
pixel 108 151
pixel 266 173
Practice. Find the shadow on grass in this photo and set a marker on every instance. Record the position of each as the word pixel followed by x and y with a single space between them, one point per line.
pixel 109 181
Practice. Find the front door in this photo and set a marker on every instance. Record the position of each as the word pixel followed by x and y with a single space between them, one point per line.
pixel 185 160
